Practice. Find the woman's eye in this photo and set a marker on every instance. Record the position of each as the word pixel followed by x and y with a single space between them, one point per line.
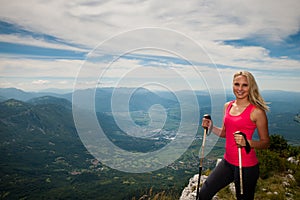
pixel 238 85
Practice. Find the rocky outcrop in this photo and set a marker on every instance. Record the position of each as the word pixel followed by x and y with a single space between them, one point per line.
pixel 190 191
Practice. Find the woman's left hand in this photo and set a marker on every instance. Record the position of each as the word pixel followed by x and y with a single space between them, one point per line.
pixel 239 139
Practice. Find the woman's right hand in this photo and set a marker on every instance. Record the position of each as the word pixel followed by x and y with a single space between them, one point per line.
pixel 206 123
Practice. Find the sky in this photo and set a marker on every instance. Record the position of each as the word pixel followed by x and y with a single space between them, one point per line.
pixel 171 44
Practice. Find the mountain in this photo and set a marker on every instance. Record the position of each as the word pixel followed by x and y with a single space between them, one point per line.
pixel 56 91
pixel 14 93
pixel 122 99
pixel 42 156
pixel 284 105
pixel 2 98
pixel 50 100
pixel 35 125
pixel 39 147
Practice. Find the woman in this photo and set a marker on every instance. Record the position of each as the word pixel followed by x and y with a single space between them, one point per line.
pixel 241 117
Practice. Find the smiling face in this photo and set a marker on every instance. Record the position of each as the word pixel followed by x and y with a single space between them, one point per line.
pixel 241 87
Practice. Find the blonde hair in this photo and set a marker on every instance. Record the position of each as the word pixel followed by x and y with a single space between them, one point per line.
pixel 255 97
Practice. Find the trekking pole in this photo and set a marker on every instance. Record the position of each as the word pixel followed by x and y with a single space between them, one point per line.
pixel 247 149
pixel 206 116
pixel 241 169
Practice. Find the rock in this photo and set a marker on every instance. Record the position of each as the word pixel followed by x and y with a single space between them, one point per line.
pixel 285 184
pixel 290 177
pixel 232 188
pixel 189 192
pixel 289 195
pixel 293 160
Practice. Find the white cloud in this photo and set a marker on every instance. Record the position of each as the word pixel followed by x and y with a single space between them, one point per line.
pixel 33 68
pixel 34 74
pixel 40 82
pixel 91 22
pixel 208 23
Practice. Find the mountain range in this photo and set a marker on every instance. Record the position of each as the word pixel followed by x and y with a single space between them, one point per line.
pixel 43 156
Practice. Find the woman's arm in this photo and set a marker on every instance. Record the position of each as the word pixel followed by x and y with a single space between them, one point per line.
pixel 259 117
pixel 216 130
pixel 219 131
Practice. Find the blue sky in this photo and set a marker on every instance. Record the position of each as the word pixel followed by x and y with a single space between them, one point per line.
pixel 48 45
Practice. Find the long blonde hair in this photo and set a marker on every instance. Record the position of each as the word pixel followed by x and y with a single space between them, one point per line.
pixel 255 97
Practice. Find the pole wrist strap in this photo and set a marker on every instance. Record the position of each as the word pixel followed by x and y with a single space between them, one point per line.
pixel 247 147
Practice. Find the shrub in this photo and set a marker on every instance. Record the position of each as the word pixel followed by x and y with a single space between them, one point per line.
pixel 270 162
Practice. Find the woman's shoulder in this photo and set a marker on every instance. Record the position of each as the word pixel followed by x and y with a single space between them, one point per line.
pixel 227 104
pixel 257 113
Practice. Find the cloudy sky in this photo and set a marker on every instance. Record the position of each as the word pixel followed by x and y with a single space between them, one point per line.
pixel 195 44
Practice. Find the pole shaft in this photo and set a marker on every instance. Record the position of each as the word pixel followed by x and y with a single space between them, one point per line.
pixel 202 148
pixel 198 186
pixel 241 170
pixel 201 162
pixel 206 116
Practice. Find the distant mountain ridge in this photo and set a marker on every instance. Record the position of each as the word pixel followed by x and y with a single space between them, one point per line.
pixel 284 105
pixel 14 93
pixel 141 98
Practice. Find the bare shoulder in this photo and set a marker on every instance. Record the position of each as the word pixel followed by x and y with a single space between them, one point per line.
pixel 225 106
pixel 258 114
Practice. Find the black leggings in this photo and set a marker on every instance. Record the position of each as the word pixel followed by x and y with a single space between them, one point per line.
pixel 224 174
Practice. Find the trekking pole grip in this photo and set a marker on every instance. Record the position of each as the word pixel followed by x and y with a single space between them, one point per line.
pixel 207 116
